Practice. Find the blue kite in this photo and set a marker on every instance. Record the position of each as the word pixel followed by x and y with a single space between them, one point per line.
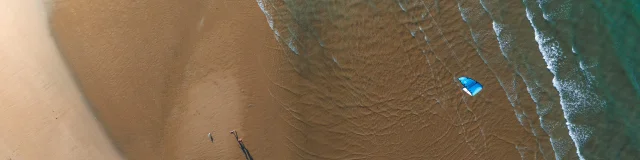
pixel 471 87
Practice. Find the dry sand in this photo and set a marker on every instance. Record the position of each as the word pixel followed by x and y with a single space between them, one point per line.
pixel 162 74
pixel 43 114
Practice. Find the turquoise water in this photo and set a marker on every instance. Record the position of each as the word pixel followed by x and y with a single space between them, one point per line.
pixel 578 60
pixel 592 61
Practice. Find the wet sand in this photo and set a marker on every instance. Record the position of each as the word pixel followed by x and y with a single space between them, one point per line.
pixel 161 75
pixel 365 84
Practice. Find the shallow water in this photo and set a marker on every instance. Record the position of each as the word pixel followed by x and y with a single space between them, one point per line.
pixel 378 78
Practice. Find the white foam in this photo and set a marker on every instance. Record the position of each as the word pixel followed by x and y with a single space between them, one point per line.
pixel 560 13
pixel 277 34
pixel 576 98
pixel 269 18
pixel 561 145
pixel 585 69
pixel 520 117
pixel 293 47
pixel 476 36
pixel 266 13
pixel 503 38
pixel 508 85
pixel 463 13
pixel 402 6
pixel 470 14
pixel 579 132
pixel 497 28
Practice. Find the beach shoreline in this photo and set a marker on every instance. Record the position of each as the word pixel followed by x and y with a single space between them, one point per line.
pixel 163 75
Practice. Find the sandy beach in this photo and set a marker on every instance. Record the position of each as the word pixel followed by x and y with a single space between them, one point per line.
pixel 159 76
pixel 43 114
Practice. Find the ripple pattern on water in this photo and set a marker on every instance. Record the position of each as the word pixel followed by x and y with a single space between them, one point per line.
pixel 372 73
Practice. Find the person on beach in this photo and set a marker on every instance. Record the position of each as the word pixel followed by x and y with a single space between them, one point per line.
pixel 244 149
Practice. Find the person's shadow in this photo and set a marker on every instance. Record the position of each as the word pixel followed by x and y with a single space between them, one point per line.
pixel 244 149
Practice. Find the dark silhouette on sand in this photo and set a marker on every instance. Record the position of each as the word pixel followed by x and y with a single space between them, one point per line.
pixel 244 149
